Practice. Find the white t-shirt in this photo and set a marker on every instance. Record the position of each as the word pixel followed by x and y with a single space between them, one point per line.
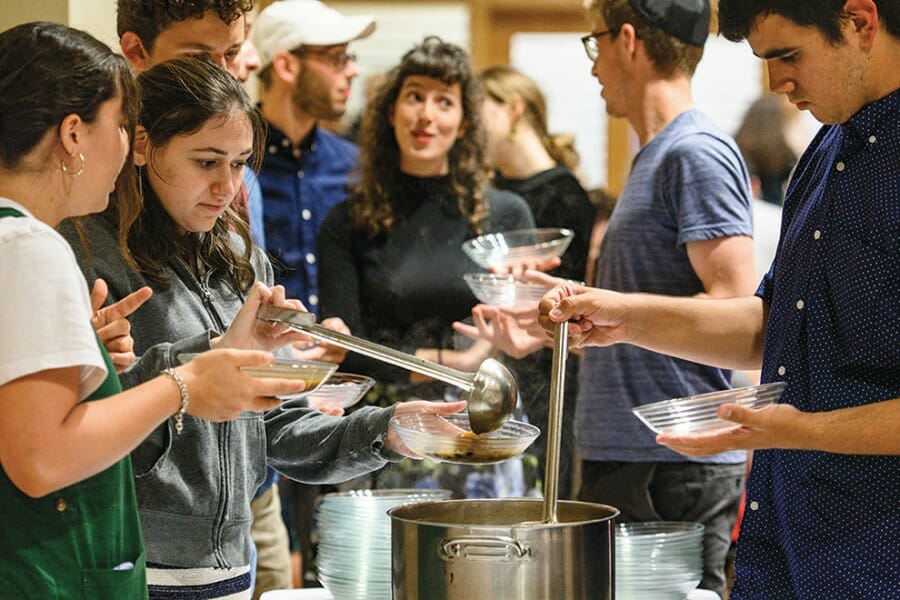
pixel 45 306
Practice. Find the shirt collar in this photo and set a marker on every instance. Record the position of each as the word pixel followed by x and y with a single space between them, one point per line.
pixel 279 144
pixel 869 119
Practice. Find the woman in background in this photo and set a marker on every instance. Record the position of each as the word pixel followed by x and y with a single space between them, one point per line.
pixel 67 498
pixel 539 166
pixel 391 263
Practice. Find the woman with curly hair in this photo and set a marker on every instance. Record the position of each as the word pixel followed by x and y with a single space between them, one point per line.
pixel 391 264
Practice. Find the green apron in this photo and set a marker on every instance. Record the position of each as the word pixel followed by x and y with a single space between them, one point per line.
pixel 67 544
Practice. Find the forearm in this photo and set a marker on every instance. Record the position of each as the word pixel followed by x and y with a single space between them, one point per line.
pixel 90 437
pixel 868 429
pixel 723 332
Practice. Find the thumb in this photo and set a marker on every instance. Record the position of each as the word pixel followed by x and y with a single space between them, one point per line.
pixel 98 294
pixel 736 414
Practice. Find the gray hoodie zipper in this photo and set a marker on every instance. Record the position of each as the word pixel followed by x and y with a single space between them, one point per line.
pixel 225 428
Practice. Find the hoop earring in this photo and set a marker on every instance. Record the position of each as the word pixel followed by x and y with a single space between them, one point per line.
pixel 66 169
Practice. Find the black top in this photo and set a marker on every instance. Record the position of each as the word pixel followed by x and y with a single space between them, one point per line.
pixel 556 199
pixel 405 288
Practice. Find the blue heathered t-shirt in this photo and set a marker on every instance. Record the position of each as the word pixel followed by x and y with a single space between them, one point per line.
pixel 687 184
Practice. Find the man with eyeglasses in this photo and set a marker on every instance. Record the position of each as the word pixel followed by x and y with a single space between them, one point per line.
pixel 305 78
pixel 682 226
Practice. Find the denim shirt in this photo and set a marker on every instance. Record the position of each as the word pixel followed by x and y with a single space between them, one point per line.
pixel 297 194
pixel 823 525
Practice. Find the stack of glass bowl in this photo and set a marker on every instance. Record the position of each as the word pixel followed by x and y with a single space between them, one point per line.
pixel 354 552
pixel 662 560
pixel 700 413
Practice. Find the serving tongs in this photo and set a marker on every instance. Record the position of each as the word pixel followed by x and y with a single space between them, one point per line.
pixel 492 388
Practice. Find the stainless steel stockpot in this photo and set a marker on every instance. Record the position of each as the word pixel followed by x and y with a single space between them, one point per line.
pixel 502 549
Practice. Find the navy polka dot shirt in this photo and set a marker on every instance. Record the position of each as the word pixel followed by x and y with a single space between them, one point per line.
pixel 822 525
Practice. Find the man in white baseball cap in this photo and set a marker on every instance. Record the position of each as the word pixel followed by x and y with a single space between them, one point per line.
pixel 305 77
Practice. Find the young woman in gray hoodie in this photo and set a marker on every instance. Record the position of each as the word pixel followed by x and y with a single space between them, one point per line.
pixel 197 131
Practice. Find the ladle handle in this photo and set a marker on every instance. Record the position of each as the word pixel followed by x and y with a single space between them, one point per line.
pixel 554 420
pixel 306 324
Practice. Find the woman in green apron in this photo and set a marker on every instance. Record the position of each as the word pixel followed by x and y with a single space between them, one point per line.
pixel 67 504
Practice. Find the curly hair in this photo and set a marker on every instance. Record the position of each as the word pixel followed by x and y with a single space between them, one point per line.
pixel 371 207
pixel 669 54
pixel 736 17
pixel 178 98
pixel 148 18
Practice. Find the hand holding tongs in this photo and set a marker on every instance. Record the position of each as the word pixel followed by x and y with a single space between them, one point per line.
pixel 492 389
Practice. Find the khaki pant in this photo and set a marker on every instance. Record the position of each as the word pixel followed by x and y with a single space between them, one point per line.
pixel 273 566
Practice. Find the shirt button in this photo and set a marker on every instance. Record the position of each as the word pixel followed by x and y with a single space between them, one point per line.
pixel 313 300
pixel 840 166
pixel 61 505
pixel 782 370
pixel 306 214
pixel 299 174
pixel 754 505
pixel 285 142
pixel 312 147
pixel 273 149
pixel 311 258
pixel 800 304
pixel 872 139
pixel 817 234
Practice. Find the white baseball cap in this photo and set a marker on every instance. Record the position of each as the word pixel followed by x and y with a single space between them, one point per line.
pixel 289 24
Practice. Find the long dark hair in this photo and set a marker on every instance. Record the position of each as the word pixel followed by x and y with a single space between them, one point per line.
pixel 371 205
pixel 49 71
pixel 178 98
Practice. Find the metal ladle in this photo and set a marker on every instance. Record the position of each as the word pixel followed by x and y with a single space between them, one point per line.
pixel 492 389
pixel 554 421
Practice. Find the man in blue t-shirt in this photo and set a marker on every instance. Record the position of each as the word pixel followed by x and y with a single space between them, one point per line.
pixel 682 226
pixel 825 320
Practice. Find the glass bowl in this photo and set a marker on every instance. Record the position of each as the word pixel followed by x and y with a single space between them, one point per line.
pixel 509 249
pixel 341 389
pixel 698 413
pixel 449 438
pixel 504 290
pixel 313 373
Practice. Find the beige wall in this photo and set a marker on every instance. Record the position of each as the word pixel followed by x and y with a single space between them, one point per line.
pixel 95 16
pixel 14 12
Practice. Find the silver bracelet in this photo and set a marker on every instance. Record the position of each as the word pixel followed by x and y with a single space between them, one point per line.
pixel 182 388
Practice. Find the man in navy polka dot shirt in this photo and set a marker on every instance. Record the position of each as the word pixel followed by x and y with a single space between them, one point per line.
pixel 823 499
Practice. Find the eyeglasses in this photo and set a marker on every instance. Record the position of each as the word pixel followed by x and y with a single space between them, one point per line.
pixel 591 47
pixel 338 60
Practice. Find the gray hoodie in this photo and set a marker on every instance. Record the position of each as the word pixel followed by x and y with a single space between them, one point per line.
pixel 194 489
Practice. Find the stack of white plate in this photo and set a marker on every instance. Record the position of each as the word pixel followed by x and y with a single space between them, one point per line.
pixel 354 552
pixel 661 560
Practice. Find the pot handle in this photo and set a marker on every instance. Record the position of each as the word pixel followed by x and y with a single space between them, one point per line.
pixel 483 548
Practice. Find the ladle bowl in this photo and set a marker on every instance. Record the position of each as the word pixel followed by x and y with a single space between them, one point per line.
pixel 493 396
pixel 492 388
